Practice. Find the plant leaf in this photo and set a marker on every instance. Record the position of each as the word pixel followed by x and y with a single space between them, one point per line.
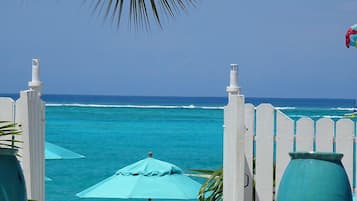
pixel 142 13
pixel 8 128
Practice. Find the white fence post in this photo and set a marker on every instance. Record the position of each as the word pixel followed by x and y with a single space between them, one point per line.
pixel 249 117
pixel 233 139
pixel 30 115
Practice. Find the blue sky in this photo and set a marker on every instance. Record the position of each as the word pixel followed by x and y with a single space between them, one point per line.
pixel 283 48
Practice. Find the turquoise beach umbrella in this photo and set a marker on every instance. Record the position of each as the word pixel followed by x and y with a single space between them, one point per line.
pixel 53 151
pixel 146 179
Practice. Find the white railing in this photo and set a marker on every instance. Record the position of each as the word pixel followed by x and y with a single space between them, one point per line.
pixel 29 112
pixel 273 135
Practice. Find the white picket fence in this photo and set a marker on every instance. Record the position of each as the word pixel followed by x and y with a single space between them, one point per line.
pixel 268 127
pixel 272 135
pixel 29 112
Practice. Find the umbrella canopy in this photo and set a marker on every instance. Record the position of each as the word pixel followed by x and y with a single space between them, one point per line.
pixel 53 151
pixel 146 179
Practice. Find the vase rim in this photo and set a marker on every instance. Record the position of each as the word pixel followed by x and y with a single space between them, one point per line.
pixel 329 156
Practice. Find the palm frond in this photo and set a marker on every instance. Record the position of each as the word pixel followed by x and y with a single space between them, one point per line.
pixel 141 13
pixel 4 145
pixel 212 188
pixel 7 125
pixel 8 128
pixel 204 176
pixel 17 141
pixel 204 171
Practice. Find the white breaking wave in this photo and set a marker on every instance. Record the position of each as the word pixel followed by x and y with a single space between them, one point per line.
pixel 212 108
pixel 297 116
pixel 285 108
pixel 343 108
pixel 317 116
pixel 134 106
pixel 333 116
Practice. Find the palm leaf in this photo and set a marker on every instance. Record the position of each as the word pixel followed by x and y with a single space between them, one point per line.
pixel 141 13
pixel 212 188
pixel 7 131
pixel 8 128
pixel 18 141
pixel 203 171
pixel 7 125
pixel 4 145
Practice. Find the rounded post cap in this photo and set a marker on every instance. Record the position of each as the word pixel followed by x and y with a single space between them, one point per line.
pixel 234 67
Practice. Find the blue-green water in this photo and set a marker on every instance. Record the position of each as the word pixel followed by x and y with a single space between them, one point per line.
pixel 114 131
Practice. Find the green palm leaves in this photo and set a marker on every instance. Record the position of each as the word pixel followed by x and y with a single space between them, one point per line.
pixel 8 131
pixel 142 13
pixel 212 188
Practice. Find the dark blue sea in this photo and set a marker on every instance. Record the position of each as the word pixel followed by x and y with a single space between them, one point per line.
pixel 114 131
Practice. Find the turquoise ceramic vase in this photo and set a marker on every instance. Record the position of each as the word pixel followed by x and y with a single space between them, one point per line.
pixel 315 176
pixel 12 182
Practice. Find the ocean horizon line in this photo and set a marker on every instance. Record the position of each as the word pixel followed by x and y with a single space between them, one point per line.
pixel 179 96
pixel 119 95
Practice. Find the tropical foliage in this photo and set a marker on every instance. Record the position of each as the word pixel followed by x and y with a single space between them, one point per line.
pixel 212 188
pixel 8 131
pixel 141 13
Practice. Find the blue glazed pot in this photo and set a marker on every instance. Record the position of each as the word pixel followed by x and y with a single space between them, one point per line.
pixel 12 182
pixel 315 176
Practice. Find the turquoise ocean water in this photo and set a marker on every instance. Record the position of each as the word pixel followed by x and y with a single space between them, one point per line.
pixel 114 131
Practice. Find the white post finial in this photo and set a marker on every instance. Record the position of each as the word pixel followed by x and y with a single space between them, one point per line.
pixel 233 141
pixel 35 84
pixel 233 87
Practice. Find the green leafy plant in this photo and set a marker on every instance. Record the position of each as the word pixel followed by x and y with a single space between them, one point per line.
pixel 8 131
pixel 141 13
pixel 212 188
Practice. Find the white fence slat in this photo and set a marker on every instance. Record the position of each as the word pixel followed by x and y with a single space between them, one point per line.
pixel 324 135
pixel 305 134
pixel 344 144
pixel 264 152
pixel 7 109
pixel 284 145
pixel 248 169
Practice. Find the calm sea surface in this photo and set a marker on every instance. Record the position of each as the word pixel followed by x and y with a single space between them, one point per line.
pixel 114 131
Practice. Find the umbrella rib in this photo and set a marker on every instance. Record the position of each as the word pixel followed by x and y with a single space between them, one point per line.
pixel 181 191
pixel 130 195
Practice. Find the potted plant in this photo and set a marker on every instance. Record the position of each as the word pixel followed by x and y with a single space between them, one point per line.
pixel 315 176
pixel 12 180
